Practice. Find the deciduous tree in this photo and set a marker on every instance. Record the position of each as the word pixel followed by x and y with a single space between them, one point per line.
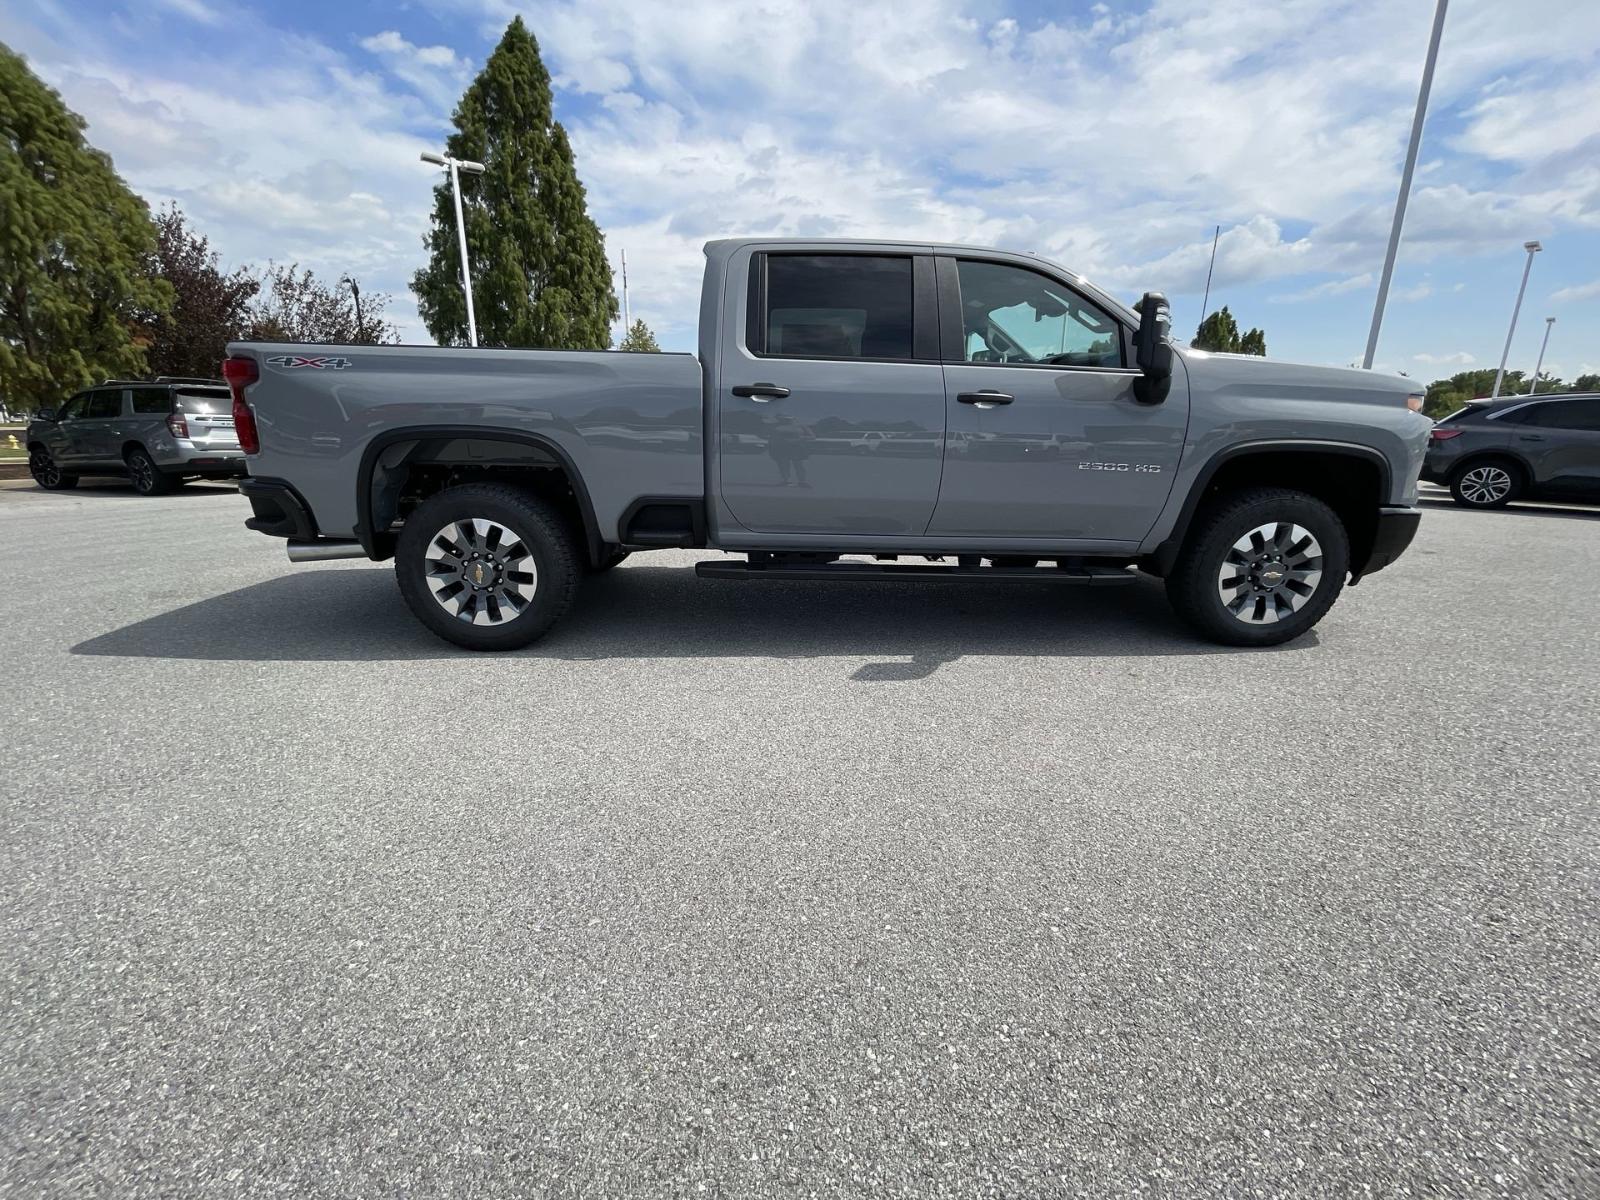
pixel 75 250
pixel 209 309
pixel 1219 333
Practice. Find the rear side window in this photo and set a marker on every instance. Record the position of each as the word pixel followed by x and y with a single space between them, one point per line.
pixel 1565 414
pixel 152 400
pixel 104 404
pixel 1469 413
pixel 839 306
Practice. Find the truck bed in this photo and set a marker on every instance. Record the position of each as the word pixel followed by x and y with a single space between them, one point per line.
pixel 611 414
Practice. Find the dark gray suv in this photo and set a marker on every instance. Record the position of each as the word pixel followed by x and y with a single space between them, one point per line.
pixel 157 433
pixel 1518 448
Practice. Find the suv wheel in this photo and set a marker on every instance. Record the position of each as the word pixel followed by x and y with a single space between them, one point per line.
pixel 1260 567
pixel 1486 484
pixel 148 479
pixel 42 466
pixel 486 567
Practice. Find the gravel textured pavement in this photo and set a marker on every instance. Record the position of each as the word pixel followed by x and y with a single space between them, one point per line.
pixel 791 890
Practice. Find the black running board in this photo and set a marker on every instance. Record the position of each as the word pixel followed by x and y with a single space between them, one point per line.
pixel 1096 576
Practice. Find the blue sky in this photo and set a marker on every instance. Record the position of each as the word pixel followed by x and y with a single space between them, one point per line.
pixel 1110 137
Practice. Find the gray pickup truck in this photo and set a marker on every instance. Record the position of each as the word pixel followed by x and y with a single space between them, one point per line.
pixel 857 411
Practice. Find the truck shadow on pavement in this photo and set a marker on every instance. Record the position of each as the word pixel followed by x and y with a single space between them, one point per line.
pixel 639 611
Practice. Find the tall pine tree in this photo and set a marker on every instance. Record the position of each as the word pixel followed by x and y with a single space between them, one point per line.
pixel 539 270
pixel 75 249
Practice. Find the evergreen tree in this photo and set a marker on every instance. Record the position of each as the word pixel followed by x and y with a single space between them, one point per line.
pixel 209 309
pixel 75 247
pixel 539 270
pixel 641 339
pixel 1219 333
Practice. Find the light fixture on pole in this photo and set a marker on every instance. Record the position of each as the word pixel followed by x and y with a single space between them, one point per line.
pixel 455 167
pixel 1543 346
pixel 1532 248
pixel 1405 184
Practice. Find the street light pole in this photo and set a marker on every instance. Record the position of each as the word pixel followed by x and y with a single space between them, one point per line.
pixel 1543 346
pixel 1405 183
pixel 1532 248
pixel 355 290
pixel 455 166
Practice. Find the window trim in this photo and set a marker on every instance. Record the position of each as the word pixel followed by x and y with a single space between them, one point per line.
pixel 924 308
pixel 953 353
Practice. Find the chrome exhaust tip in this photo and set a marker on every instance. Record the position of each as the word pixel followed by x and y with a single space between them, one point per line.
pixel 306 550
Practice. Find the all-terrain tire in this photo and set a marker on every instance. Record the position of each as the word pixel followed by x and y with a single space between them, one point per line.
pixel 517 548
pixel 1260 567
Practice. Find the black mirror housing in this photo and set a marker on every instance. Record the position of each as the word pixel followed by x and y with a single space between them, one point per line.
pixel 1153 349
pixel 45 414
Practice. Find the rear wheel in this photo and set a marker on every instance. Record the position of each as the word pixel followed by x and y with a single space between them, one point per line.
pixel 148 479
pixel 47 473
pixel 1486 484
pixel 486 567
pixel 1260 567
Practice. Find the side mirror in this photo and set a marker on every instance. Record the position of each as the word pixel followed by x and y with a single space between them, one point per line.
pixel 1153 349
pixel 45 414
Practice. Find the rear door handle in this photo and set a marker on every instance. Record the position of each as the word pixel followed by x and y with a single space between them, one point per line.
pixel 760 392
pixel 1530 437
pixel 985 398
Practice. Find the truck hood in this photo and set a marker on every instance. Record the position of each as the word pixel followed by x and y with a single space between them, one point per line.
pixel 1252 375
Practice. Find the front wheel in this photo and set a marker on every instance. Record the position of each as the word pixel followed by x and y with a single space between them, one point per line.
pixel 485 566
pixel 47 473
pixel 1260 567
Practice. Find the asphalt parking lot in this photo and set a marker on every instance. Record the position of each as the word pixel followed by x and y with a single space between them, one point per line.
pixel 791 890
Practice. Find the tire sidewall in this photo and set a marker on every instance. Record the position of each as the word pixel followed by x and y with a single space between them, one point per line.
pixel 552 555
pixel 156 484
pixel 1200 601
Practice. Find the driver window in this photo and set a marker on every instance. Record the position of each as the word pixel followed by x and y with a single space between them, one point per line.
pixel 72 410
pixel 1015 316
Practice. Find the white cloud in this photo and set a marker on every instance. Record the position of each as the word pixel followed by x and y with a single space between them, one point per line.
pixel 1580 291
pixel 1459 358
pixel 1332 287
pixel 435 73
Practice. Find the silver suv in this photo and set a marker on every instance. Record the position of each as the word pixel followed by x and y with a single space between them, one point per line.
pixel 157 433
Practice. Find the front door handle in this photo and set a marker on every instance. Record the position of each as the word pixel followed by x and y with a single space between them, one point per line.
pixel 985 398
pixel 1530 437
pixel 760 392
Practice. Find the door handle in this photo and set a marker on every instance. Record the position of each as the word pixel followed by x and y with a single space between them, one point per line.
pixel 1530 437
pixel 985 398
pixel 761 393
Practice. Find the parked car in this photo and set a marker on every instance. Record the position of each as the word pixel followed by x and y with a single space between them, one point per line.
pixel 158 433
pixel 1518 448
pixel 1255 488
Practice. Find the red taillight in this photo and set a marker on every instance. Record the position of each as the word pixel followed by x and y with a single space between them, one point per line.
pixel 1444 435
pixel 240 374
pixel 178 424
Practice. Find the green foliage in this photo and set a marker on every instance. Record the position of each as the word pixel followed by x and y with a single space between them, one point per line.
pixel 641 339
pixel 1586 383
pixel 1219 333
pixel 295 306
pixel 1445 396
pixel 75 249
pixel 539 270
pixel 209 309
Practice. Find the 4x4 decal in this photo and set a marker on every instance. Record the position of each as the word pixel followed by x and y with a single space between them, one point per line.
pixel 319 361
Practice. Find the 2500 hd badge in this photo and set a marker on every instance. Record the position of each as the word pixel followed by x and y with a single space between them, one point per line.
pixel 1139 468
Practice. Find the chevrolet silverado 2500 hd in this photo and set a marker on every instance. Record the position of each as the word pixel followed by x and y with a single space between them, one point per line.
pixel 857 410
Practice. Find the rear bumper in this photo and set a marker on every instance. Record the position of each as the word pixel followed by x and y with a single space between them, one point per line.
pixel 279 510
pixel 1393 533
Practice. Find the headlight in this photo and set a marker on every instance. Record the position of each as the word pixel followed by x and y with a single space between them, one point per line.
pixel 1414 401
